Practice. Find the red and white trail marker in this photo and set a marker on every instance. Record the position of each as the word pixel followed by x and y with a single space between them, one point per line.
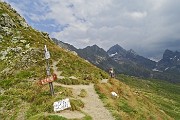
pixel 48 79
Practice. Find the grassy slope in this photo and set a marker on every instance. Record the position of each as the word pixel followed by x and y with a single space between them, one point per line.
pixel 21 96
pixel 131 104
pixel 163 94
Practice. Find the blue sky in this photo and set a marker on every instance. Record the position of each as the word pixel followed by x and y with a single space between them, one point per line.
pixel 147 26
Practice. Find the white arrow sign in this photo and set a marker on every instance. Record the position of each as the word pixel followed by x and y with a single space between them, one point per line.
pixel 47 54
pixel 61 105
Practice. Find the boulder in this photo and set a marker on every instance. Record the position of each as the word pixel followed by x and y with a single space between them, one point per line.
pixel 27 46
pixel 16 39
pixel 23 23
pixel 3 55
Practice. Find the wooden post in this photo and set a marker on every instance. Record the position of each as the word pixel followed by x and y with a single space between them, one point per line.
pixel 47 56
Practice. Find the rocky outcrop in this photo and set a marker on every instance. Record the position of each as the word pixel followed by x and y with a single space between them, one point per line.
pixel 6 21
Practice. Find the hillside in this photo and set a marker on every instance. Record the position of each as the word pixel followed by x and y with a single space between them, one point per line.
pixel 23 65
pixel 163 94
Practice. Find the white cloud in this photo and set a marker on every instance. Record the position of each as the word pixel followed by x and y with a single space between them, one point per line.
pixel 147 26
pixel 137 15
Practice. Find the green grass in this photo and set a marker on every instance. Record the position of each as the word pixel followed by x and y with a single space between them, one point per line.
pixel 129 104
pixel 123 105
pixel 165 95
pixel 76 104
pixel 49 117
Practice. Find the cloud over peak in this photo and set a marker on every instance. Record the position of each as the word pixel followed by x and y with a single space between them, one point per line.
pixel 147 26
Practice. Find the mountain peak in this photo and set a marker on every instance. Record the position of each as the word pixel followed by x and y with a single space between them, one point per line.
pixel 132 51
pixel 116 49
pixel 169 54
pixel 95 46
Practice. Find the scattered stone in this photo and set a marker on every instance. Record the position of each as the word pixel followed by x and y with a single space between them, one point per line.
pixel 3 55
pixel 23 41
pixel 1 38
pixel 74 53
pixel 2 91
pixel 6 21
pixel 15 39
pixel 27 46
pixel 23 23
pixel 73 77
pixel 17 49
pixel 46 35
pixel 8 31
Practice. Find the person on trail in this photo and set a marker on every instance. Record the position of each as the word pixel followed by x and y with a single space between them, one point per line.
pixel 111 72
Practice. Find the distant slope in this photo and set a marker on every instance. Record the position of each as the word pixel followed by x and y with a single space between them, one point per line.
pixel 163 94
pixel 143 100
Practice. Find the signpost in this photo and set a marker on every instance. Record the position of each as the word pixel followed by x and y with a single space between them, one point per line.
pixel 47 56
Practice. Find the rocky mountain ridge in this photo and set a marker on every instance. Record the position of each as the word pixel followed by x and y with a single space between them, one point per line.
pixel 129 62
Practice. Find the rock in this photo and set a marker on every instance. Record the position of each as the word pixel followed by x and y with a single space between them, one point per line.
pixel 24 24
pixel 16 39
pixel 7 30
pixel 74 53
pixel 1 38
pixel 2 91
pixel 46 35
pixel 3 55
pixel 27 46
pixel 16 50
pixel 73 77
pixel 23 41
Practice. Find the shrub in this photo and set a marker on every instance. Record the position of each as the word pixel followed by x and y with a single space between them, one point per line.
pixel 76 104
pixel 83 93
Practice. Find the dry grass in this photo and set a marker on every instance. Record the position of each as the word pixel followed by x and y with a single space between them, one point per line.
pixel 128 105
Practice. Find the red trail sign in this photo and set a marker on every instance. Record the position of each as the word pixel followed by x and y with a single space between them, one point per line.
pixel 48 79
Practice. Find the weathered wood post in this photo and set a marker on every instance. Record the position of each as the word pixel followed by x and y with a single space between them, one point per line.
pixel 47 56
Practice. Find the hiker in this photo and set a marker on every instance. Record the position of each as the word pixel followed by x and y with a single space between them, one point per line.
pixel 111 71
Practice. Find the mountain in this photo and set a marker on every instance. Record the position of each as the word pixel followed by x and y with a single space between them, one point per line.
pixel 65 46
pixel 121 56
pixel 93 54
pixel 170 60
pixel 168 67
pixel 126 62
pixel 98 57
pixel 129 62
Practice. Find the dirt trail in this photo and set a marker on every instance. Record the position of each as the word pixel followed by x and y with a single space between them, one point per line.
pixel 58 73
pixel 93 105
